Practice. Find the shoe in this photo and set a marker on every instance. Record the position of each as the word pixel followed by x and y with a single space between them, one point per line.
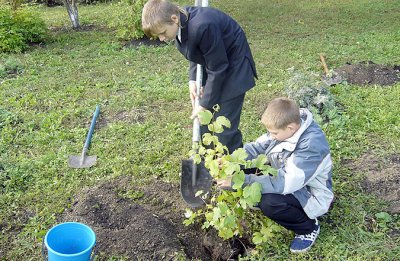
pixel 302 243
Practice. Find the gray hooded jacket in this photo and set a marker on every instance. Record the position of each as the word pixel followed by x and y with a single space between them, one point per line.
pixel 304 166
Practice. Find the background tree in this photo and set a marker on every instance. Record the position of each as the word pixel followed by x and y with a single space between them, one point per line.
pixel 72 9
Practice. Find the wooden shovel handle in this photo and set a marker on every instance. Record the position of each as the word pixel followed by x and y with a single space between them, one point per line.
pixel 322 58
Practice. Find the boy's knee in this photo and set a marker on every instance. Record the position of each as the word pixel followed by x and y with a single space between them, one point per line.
pixel 270 206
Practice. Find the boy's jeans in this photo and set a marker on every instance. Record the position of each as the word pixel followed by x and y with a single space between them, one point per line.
pixel 287 212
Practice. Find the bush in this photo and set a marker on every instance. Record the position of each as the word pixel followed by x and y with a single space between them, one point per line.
pixel 129 24
pixel 310 92
pixel 19 29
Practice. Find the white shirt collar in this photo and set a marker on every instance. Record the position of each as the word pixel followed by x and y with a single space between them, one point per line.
pixel 179 34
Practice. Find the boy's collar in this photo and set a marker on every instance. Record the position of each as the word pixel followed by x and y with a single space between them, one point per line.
pixel 179 34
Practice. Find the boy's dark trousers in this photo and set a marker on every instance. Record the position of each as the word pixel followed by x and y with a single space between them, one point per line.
pixel 230 137
pixel 287 212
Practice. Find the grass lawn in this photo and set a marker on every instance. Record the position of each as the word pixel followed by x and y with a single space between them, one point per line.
pixel 143 131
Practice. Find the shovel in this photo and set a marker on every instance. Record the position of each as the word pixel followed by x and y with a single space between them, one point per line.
pixel 195 178
pixel 84 161
pixel 329 78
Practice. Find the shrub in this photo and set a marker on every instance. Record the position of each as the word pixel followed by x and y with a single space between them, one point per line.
pixel 228 211
pixel 19 29
pixel 129 24
pixel 311 93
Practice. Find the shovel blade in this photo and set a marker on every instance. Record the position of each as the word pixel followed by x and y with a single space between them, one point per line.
pixel 76 161
pixel 189 188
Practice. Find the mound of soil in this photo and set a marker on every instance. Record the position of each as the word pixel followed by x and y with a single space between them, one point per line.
pixel 143 223
pixel 369 73
pixel 382 178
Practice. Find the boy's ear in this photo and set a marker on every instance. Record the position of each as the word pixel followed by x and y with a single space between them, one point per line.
pixel 175 18
pixel 293 127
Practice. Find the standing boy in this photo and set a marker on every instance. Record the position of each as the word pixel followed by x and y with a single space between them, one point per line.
pixel 302 190
pixel 211 38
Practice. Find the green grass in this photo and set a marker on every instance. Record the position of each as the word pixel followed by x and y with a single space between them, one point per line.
pixel 45 113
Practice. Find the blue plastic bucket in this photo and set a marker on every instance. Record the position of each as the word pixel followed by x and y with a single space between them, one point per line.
pixel 70 241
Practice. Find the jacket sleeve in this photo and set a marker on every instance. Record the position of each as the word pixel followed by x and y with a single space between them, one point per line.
pixel 216 62
pixel 192 71
pixel 258 147
pixel 300 167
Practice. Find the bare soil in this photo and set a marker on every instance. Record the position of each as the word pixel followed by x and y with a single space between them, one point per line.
pixel 369 73
pixel 144 222
pixel 382 178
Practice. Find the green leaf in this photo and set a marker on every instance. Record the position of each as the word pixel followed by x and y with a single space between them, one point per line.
pixel 239 156
pixel 238 180
pixel 218 125
pixel 214 168
pixel 188 213
pixel 266 169
pixel 196 158
pixel 225 233
pixel 188 222
pixel 258 238
pixel 199 193
pixel 223 207
pixel 229 221
pixel 260 161
pixel 252 193
pixel 231 168
pixel 205 117
pixel 208 139
pixel 383 216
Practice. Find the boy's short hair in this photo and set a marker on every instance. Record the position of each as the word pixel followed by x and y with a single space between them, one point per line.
pixel 280 112
pixel 157 13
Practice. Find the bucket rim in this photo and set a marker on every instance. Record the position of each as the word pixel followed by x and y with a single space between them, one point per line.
pixel 75 254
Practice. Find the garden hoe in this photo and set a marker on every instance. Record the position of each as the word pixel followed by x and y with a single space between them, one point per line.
pixel 195 178
pixel 84 161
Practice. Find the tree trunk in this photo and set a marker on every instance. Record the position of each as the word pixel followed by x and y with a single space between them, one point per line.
pixel 72 9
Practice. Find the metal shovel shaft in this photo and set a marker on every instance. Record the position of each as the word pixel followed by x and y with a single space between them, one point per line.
pixel 196 123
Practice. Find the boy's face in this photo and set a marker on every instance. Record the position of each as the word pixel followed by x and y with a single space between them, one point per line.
pixel 168 32
pixel 285 133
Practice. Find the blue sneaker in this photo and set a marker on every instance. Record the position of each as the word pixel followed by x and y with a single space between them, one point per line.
pixel 302 243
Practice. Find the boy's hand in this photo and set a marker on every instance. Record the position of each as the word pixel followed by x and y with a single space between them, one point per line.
pixel 225 183
pixel 193 91
pixel 196 111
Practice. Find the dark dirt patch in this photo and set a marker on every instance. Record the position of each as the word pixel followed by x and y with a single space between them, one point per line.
pixel 369 73
pixel 382 178
pixel 144 41
pixel 143 222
